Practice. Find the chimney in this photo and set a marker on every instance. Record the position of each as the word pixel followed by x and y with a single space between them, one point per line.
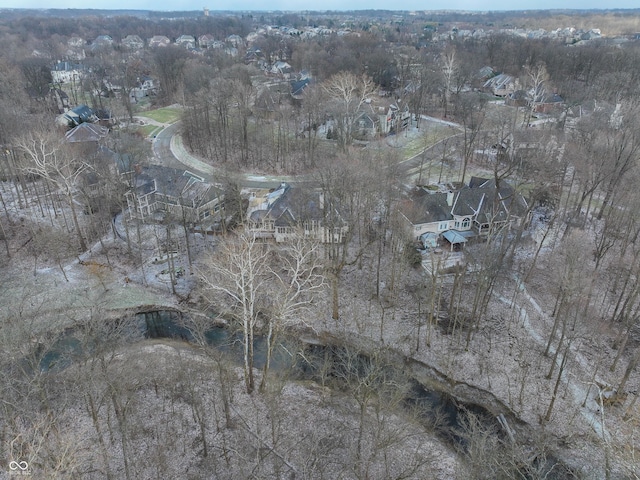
pixel 450 195
pixel 321 200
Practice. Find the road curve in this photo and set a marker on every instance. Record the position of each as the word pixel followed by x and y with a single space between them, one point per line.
pixel 169 151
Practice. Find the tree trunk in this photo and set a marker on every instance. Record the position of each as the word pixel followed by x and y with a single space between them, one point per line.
pixel 267 364
pixel 335 310
pixel 547 416
pixel 633 363
pixel 83 245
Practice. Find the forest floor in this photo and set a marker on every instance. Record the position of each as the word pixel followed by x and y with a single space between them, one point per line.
pixel 505 355
pixel 298 420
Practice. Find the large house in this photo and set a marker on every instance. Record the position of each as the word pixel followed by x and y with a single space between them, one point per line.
pixel 159 41
pixel 86 133
pixel 186 41
pixel 501 85
pixel 65 72
pixel 75 116
pixel 208 41
pixel 180 193
pixel 133 42
pixel 289 211
pixel 480 209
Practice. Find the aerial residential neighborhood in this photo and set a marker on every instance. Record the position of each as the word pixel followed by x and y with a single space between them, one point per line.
pixel 361 244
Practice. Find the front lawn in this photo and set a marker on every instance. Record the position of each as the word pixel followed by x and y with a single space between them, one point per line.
pixel 163 115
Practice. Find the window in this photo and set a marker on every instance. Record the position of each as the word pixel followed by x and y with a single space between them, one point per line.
pixel 466 223
pixel 443 226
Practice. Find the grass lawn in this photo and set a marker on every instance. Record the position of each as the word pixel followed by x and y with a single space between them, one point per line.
pixel 432 134
pixel 163 115
pixel 149 130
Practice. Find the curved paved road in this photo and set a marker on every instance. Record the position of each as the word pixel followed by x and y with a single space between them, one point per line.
pixel 170 152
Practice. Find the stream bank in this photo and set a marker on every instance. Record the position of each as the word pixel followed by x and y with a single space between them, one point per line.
pixel 443 404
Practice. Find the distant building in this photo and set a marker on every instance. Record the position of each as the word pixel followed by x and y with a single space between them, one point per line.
pixel 133 42
pixel 66 72
pixel 186 41
pixel 159 41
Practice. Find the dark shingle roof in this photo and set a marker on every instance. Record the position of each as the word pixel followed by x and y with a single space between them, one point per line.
pixel 86 132
pixel 292 206
pixel 428 208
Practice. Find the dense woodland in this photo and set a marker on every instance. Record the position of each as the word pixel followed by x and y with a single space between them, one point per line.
pixel 330 345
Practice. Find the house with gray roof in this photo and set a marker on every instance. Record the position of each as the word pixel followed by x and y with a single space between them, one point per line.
pixel 180 193
pixel 158 41
pixel 207 41
pixel 102 42
pixel 481 208
pixel 501 85
pixel 76 116
pixel 86 133
pixel 133 42
pixel 289 211
pixel 186 41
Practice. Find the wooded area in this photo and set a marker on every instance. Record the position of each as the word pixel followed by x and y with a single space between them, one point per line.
pixel 225 270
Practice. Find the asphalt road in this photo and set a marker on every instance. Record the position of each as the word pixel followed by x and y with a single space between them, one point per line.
pixel 164 155
pixel 167 157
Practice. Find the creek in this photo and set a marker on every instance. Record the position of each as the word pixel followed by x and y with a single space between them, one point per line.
pixel 300 359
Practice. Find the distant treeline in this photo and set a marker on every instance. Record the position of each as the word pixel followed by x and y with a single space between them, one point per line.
pixel 66 21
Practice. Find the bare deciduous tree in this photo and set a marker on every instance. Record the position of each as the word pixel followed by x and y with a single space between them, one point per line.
pixel 239 272
pixel 297 277
pixel 47 157
pixel 349 94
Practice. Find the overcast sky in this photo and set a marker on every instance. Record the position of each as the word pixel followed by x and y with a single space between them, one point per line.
pixel 324 5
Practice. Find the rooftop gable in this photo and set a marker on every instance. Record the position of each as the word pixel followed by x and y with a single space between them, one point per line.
pixel 86 132
pixel 427 208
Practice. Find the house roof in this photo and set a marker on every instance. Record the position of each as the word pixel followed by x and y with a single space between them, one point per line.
pixel 78 115
pixel 86 132
pixel 488 201
pixel 133 41
pixel 485 72
pixel 553 98
pixel 180 186
pixel 298 86
pixel 482 200
pixel 288 206
pixel 453 237
pixel 427 208
pixel 159 41
pixel 479 182
pixel 499 81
